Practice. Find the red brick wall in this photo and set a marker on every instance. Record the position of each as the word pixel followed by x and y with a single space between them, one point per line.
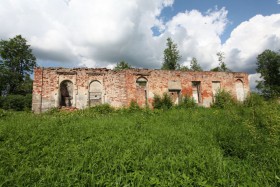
pixel 120 87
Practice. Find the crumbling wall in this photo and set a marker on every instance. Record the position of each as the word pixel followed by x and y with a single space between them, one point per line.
pixel 119 88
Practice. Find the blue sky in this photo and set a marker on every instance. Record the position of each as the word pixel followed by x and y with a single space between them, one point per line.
pixel 101 33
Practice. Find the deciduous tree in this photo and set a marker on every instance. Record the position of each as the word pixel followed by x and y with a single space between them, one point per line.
pixel 268 63
pixel 122 65
pixel 222 65
pixel 195 66
pixel 171 56
pixel 16 65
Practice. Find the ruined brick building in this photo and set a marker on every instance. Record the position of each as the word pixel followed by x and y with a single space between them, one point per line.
pixel 84 87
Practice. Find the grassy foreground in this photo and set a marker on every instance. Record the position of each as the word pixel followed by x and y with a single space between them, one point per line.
pixel 239 146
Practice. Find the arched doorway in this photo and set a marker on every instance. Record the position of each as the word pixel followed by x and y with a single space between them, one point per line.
pixel 239 87
pixel 66 93
pixel 141 89
pixel 95 93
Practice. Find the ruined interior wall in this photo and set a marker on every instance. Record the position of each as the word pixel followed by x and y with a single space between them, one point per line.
pixel 119 88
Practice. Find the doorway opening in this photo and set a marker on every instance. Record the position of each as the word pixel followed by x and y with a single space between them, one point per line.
pixel 66 93
pixel 239 87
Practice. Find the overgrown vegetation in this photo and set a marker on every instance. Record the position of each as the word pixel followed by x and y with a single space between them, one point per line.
pixel 223 99
pixel 163 102
pixel 186 102
pixel 268 65
pixel 102 146
pixel 16 102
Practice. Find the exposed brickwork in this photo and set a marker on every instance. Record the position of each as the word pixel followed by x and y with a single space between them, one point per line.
pixel 119 88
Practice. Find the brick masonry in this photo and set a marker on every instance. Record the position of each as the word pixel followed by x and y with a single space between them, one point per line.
pixel 84 87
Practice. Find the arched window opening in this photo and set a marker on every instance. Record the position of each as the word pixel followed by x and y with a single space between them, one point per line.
pixel 95 93
pixel 239 87
pixel 142 82
pixel 66 93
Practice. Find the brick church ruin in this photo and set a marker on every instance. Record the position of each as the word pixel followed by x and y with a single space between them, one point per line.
pixel 85 87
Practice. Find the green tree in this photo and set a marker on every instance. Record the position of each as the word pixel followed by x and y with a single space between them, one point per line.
pixel 184 68
pixel 16 65
pixel 171 56
pixel 122 65
pixel 222 65
pixel 268 63
pixel 195 66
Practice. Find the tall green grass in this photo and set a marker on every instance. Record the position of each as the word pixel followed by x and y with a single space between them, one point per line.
pixel 101 146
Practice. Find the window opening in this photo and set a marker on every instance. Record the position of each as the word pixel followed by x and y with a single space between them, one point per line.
pixel 95 93
pixel 196 91
pixel 216 86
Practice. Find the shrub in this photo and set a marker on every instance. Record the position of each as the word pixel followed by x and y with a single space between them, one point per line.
pixel 133 106
pixel 223 99
pixel 16 102
pixel 52 111
pixel 163 102
pixel 3 113
pixel 264 118
pixel 102 109
pixel 254 100
pixel 157 102
pixel 187 102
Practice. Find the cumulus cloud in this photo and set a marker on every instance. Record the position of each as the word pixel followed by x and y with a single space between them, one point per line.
pixel 92 33
pixel 251 38
pixel 100 33
pixel 198 35
pixel 253 78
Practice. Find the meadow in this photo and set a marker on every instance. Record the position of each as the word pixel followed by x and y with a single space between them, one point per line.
pixel 233 146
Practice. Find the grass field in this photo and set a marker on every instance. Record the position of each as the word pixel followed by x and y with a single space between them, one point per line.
pixel 237 146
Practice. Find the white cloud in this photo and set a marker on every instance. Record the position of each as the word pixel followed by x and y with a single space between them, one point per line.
pixel 253 78
pixel 100 33
pixel 278 2
pixel 251 38
pixel 198 35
